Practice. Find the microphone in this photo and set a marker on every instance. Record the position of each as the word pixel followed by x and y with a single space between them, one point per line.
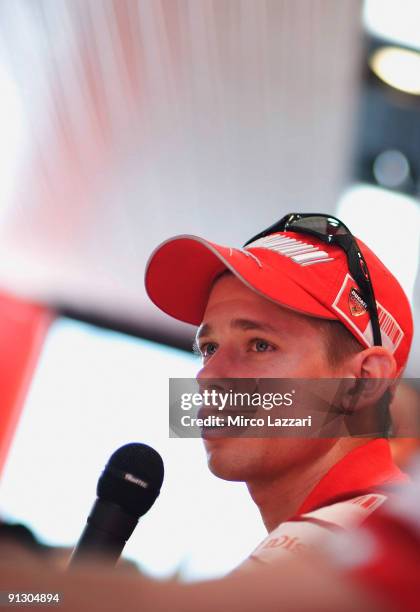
pixel 127 489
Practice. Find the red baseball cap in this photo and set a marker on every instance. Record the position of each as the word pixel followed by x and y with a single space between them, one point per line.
pixel 292 269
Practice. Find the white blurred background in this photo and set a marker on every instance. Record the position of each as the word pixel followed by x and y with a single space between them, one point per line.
pixel 125 122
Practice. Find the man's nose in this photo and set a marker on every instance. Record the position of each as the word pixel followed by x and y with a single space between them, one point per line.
pixel 225 372
pixel 220 365
pixel 216 374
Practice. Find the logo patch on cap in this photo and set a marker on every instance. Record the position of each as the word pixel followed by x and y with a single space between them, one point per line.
pixel 391 332
pixel 357 304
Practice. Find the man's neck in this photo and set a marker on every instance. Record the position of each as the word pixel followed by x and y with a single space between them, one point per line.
pixel 279 498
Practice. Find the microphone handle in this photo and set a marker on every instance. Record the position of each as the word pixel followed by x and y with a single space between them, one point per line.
pixel 105 535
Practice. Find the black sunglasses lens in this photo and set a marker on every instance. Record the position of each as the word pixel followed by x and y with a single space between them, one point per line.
pixel 327 226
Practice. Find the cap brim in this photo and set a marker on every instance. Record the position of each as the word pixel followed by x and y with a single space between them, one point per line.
pixel 180 273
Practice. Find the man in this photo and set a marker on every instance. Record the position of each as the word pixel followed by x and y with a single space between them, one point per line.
pixel 364 571
pixel 303 299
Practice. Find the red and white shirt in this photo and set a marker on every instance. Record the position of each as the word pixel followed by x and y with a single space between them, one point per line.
pixel 345 497
pixel 383 554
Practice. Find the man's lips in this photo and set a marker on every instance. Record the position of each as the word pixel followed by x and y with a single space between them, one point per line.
pixel 218 426
pixel 203 412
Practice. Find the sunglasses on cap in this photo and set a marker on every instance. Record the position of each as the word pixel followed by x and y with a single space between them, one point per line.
pixel 332 231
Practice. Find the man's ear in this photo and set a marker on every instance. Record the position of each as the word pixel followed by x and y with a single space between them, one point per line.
pixel 374 362
pixel 372 373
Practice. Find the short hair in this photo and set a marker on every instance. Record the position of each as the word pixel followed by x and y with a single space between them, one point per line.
pixel 338 340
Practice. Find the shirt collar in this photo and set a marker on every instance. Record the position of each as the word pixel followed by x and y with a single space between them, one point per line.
pixel 364 468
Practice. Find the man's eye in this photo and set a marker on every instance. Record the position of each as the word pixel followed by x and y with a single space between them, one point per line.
pixel 208 349
pixel 261 346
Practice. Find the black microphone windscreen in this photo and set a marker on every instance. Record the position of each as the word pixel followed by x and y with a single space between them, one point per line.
pixel 132 478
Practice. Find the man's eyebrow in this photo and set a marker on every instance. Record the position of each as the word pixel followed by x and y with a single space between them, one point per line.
pixel 243 324
pixel 247 324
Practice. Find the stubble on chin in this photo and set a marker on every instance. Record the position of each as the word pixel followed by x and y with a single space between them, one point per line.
pixel 226 461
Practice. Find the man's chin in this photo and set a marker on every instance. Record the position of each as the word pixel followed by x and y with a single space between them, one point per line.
pixel 224 462
pixel 226 473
